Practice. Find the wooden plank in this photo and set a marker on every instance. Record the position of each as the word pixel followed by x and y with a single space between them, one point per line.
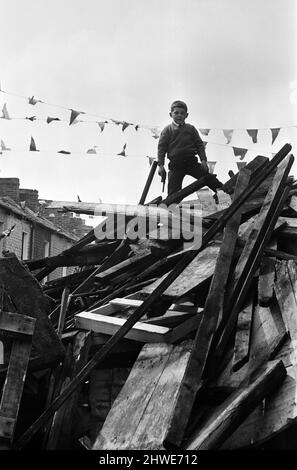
pixel 255 165
pixel 139 416
pixel 66 419
pixel 136 395
pixel 16 323
pixel 243 334
pixel 64 305
pixel 266 277
pixel 212 312
pixel 250 257
pixel 280 410
pixel 236 408
pixel 13 388
pixel 141 311
pixel 200 269
pixel 98 323
pixel 28 298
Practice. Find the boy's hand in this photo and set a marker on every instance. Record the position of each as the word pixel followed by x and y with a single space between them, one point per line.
pixel 161 172
pixel 205 166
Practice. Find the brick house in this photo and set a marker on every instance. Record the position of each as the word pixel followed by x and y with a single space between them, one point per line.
pixel 34 236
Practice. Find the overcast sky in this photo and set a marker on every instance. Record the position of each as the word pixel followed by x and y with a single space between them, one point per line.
pixel 232 61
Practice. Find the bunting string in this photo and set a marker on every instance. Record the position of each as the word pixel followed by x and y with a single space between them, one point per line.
pixel 74 119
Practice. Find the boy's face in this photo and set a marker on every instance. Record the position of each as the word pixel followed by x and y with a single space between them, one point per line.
pixel 178 115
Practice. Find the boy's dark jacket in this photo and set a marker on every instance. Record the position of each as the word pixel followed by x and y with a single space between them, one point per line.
pixel 180 142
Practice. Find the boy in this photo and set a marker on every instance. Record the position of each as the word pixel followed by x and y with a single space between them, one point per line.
pixel 181 142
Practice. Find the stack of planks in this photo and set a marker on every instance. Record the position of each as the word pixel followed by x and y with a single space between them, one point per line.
pixel 159 345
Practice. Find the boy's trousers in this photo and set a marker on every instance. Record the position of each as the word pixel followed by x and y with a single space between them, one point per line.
pixel 181 167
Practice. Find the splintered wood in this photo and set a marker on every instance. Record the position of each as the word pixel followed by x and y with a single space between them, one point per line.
pixel 167 346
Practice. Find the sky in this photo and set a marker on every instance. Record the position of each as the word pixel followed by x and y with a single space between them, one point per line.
pixel 232 61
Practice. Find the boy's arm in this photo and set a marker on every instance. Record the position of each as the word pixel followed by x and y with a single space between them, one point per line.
pixel 199 145
pixel 163 146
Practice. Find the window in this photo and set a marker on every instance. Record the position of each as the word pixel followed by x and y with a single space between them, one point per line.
pixel 25 246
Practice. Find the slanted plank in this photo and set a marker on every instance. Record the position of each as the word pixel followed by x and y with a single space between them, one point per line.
pixel 251 255
pixel 13 388
pixel 243 334
pixel 200 269
pixel 15 323
pixel 212 312
pixel 139 416
pixel 280 410
pixel 142 332
pixel 236 408
pixel 255 165
pixel 266 277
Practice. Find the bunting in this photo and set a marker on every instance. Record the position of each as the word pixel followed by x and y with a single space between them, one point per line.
pixel 125 125
pixel 74 115
pixel 92 151
pixel 3 146
pixel 101 124
pixel 32 118
pixel 123 153
pixel 33 145
pixel 204 131
pixel 274 133
pixel 51 119
pixel 253 133
pixel 5 114
pixel 64 152
pixel 33 101
pixel 151 160
pixel 240 152
pixel 228 134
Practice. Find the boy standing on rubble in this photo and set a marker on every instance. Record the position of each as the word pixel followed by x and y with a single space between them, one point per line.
pixel 181 142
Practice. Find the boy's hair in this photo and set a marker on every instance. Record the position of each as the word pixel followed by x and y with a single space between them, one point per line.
pixel 179 104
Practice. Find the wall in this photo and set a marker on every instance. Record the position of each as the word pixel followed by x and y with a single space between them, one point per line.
pixel 59 244
pixel 14 241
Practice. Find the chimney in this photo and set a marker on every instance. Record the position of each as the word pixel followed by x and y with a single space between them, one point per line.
pixel 30 196
pixel 10 187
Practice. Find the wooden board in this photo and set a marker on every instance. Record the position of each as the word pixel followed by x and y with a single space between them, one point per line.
pixel 199 270
pixel 234 410
pixel 243 334
pixel 280 410
pixel 139 416
pixel 142 332
pixel 266 276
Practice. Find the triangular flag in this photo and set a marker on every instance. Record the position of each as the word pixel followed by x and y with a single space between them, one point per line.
pixel 274 132
pixel 91 151
pixel 33 146
pixel 33 100
pixel 228 134
pixel 50 119
pixel 74 115
pixel 3 146
pixel 117 122
pixel 125 125
pixel 155 133
pixel 204 131
pixel 32 118
pixel 5 114
pixel 239 152
pixel 211 165
pixel 151 160
pixel 137 127
pixel 123 153
pixel 101 124
pixel 65 152
pixel 240 165
pixel 253 133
